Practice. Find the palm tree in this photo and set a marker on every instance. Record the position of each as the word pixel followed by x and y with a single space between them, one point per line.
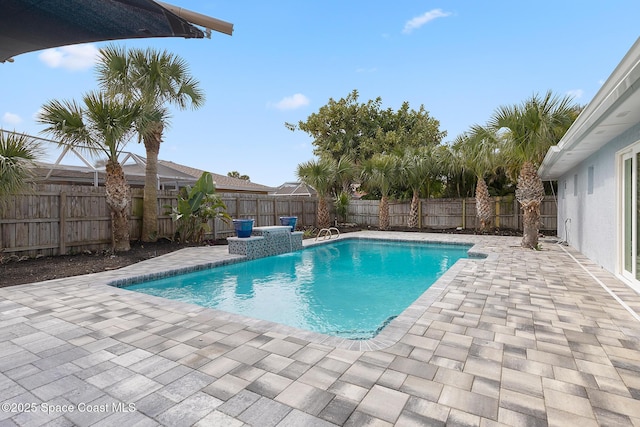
pixel 103 125
pixel 17 156
pixel 381 173
pixel 346 171
pixel 320 174
pixel 154 79
pixel 478 152
pixel 530 129
pixel 418 168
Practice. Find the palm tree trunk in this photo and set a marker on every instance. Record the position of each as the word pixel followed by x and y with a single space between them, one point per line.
pixel 150 201
pixel 530 223
pixel 383 215
pixel 414 210
pixel 324 218
pixel 530 193
pixel 483 204
pixel 118 198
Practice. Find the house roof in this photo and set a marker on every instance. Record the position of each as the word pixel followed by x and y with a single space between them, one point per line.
pixel 85 175
pixel 611 112
pixel 169 173
pixel 294 189
pixel 223 182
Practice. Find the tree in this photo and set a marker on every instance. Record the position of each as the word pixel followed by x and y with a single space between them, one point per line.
pixel 357 131
pixel 17 156
pixel 347 127
pixel 530 129
pixel 340 127
pixel 153 79
pixel 102 125
pixel 346 171
pixel 417 167
pixel 403 130
pixel 236 174
pixel 319 174
pixel 381 173
pixel 478 151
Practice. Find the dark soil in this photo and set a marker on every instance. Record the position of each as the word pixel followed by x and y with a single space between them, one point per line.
pixel 15 271
pixel 19 271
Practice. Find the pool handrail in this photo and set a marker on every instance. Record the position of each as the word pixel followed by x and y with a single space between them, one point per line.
pixel 327 233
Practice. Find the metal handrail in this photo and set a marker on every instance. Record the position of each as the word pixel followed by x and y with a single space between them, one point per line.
pixel 328 233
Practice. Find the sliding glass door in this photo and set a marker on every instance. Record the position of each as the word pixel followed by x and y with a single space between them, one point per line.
pixel 630 232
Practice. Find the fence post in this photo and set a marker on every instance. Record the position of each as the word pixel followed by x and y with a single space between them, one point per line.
pixel 275 211
pixel 498 212
pixel 62 227
pixel 464 213
pixel 257 212
pixel 419 213
pixel 516 213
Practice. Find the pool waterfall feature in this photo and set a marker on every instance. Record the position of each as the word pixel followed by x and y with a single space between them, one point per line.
pixel 266 241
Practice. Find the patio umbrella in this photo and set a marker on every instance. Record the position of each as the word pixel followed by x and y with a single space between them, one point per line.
pixel 29 25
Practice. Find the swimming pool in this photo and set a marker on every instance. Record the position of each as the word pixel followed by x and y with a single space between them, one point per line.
pixel 349 288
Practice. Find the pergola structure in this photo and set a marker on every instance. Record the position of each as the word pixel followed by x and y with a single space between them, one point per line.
pixel 30 25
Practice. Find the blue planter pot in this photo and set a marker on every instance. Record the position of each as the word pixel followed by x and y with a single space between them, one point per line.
pixel 243 227
pixel 290 221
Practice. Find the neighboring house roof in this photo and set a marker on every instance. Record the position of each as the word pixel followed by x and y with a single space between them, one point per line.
pixel 223 182
pixel 170 175
pixel 295 189
pixel 84 175
pixel 611 112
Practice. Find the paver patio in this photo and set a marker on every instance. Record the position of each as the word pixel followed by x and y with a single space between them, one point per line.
pixel 518 338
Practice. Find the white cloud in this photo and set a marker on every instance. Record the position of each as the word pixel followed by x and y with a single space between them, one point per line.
pixel 11 119
pixel 76 57
pixel 291 102
pixel 419 21
pixel 575 93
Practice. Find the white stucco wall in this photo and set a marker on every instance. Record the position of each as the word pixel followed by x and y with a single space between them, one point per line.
pixel 591 219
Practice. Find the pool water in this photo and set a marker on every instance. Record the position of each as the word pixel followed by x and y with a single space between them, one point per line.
pixel 350 288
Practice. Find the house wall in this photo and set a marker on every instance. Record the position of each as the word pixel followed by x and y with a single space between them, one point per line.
pixel 587 208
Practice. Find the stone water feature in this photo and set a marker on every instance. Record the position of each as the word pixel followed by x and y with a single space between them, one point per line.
pixel 266 241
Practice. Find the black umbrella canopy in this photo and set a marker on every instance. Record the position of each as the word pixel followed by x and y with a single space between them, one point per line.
pixel 29 25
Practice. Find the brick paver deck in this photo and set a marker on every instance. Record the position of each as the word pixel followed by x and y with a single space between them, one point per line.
pixel 518 338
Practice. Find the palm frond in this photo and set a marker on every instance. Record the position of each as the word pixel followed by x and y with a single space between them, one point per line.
pixel 17 156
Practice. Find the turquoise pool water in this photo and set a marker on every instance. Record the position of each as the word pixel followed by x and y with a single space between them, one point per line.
pixel 350 288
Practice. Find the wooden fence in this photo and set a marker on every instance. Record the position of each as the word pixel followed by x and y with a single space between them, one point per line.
pixel 451 213
pixel 61 219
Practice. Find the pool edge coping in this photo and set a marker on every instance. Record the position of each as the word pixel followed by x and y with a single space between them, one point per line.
pixel 390 335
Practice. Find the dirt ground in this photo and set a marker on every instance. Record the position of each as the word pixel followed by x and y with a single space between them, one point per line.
pixel 17 272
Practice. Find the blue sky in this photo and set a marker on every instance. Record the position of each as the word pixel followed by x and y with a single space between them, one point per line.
pixel 460 59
